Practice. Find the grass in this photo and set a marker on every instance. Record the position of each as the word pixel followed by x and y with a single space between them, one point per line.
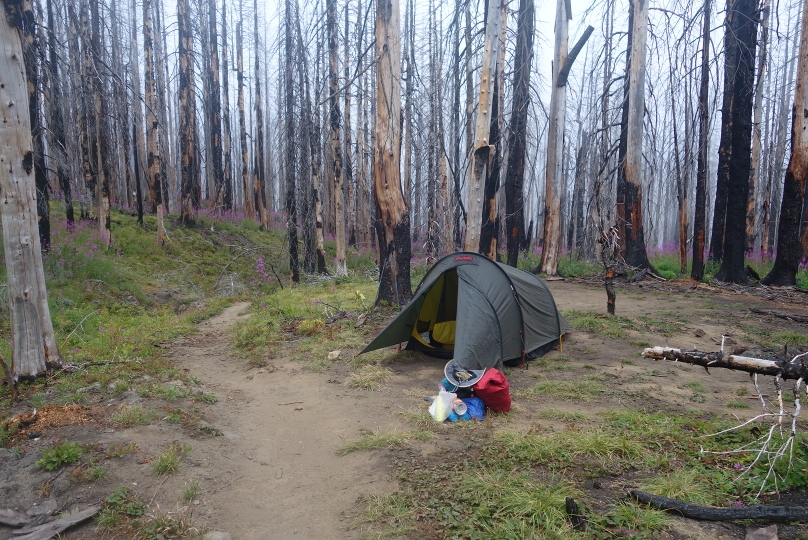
pixel 582 390
pixel 133 416
pixel 689 485
pixel 563 416
pixel 615 327
pixel 168 461
pixel 368 377
pixel 373 440
pixel 191 492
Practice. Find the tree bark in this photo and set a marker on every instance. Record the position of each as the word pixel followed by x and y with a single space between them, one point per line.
pixel 187 111
pixel 482 151
pixel 249 209
pixel 752 222
pixel 629 188
pixel 153 160
pixel 227 175
pixel 336 136
pixel 551 235
pixel 393 218
pixel 34 346
pixel 262 206
pixel 214 108
pixel 137 117
pixel 743 25
pixel 291 199
pixel 699 219
pixel 789 249
pixel 57 122
pixel 489 231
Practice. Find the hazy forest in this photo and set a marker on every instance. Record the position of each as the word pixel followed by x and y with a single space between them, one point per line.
pixel 228 199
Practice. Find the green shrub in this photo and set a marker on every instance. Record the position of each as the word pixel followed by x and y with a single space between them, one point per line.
pixel 63 453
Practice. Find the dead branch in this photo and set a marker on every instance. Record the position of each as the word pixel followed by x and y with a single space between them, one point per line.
pixel 794 370
pixel 52 528
pixel 787 316
pixel 710 513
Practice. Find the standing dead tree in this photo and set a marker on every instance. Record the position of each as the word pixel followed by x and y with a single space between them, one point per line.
pixel 765 448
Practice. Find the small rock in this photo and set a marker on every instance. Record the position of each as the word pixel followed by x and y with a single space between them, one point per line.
pixel 147 378
pixel 360 321
pixel 196 502
pixel 34 435
pixel 699 333
pixel 95 387
pixel 175 383
pixel 109 430
pixel 262 370
pixel 333 355
pixel 762 533
pixel 298 408
pixel 129 397
pixel 45 508
pixel 217 535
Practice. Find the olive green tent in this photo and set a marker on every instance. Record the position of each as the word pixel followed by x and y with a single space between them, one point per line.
pixel 480 312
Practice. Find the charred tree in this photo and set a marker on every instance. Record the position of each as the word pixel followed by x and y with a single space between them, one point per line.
pixel 629 185
pixel 227 174
pixel 736 118
pixel 249 209
pixel 154 168
pixel 482 150
pixel 699 219
pixel 189 176
pixel 789 249
pixel 289 165
pixel 335 121
pixel 215 111
pixel 392 215
pixel 57 122
pixel 259 174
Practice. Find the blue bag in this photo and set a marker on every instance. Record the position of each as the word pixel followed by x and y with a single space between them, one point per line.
pixel 475 408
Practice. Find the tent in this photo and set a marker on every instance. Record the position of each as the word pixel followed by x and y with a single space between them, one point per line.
pixel 478 311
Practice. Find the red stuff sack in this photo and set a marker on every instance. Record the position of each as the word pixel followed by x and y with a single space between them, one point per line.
pixel 493 390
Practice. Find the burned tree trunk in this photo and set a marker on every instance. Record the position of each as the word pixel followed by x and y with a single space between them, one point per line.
pixel 483 151
pixel 214 109
pixel 789 250
pixel 291 195
pixel 629 186
pixel 742 23
pixel 699 219
pixel 227 175
pixel 30 45
pixel 551 235
pixel 393 218
pixel 249 209
pixel 259 174
pixel 59 150
pixel 153 160
pixel 33 341
pixel 187 112
pixel 336 136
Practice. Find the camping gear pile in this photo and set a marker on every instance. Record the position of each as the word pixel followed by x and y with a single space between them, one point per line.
pixel 467 394
pixel 483 315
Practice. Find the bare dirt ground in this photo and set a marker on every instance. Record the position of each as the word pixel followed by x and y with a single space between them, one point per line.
pixel 274 472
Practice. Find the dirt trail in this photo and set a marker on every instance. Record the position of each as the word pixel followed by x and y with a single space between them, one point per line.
pixel 275 474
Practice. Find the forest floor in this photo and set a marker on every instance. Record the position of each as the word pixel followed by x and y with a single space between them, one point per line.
pixel 274 449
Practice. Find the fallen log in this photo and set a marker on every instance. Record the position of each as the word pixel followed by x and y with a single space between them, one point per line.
pixel 712 513
pixel 9 516
pixel 786 370
pixel 52 528
pixel 787 316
